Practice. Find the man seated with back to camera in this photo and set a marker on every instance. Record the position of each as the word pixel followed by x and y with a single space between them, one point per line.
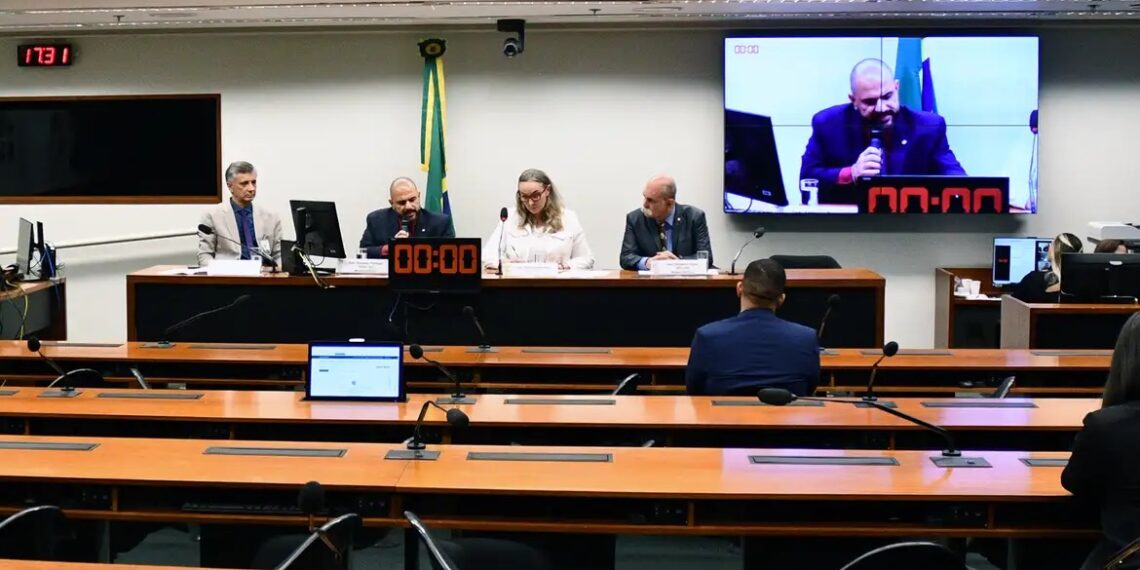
pixel 405 218
pixel 754 349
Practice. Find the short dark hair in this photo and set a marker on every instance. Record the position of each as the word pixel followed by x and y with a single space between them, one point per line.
pixel 764 280
pixel 1123 384
pixel 1108 246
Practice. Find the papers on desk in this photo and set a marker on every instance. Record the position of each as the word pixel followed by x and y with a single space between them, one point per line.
pixel 706 273
pixel 187 270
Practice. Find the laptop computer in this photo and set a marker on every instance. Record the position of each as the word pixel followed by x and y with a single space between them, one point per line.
pixel 367 371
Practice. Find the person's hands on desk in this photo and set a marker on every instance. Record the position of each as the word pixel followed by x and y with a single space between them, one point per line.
pixel 660 255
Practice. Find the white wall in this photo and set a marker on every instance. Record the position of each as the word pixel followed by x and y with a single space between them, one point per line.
pixel 335 116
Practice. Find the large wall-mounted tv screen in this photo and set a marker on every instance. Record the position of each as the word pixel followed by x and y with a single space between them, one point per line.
pixel 850 125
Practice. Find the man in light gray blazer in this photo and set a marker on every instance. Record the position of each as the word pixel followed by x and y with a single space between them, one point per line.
pixel 662 228
pixel 239 231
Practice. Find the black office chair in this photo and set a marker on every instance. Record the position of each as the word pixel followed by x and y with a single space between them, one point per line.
pixel 908 556
pixel 1124 556
pixel 38 533
pixel 1004 387
pixel 478 553
pixel 806 261
pixel 326 548
pixel 628 386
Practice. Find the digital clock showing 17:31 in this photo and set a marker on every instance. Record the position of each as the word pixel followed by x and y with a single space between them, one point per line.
pixel 45 55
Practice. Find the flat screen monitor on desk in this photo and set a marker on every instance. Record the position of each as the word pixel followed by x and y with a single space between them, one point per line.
pixel 356 371
pixel 318 228
pixel 24 245
pixel 1100 277
pixel 1016 257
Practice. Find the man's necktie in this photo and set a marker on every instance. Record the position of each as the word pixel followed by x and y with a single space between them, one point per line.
pixel 660 236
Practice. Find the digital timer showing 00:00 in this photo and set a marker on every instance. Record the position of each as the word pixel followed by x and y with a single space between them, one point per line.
pixel 425 259
pixel 41 55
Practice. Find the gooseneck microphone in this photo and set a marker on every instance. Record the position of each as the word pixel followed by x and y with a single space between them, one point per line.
pixel 756 234
pixel 165 342
pixel 832 302
pixel 877 142
pixel 951 455
pixel 267 259
pixel 457 396
pixel 68 389
pixel 415 445
pixel 502 230
pixel 890 349
pixel 469 312
pixel 311 501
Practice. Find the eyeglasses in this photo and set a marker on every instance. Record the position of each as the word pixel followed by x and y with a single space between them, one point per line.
pixel 532 197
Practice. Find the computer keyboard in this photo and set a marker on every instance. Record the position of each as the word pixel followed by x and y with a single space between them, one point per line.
pixel 241 509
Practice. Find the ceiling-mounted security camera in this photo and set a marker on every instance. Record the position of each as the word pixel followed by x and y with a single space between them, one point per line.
pixel 513 46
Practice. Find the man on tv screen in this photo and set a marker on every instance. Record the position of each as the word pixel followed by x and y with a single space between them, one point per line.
pixel 874 135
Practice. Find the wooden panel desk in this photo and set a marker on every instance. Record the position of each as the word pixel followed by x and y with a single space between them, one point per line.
pixel 7 564
pixel 614 309
pixel 965 323
pixel 495 418
pixel 1061 325
pixel 40 306
pixel 528 369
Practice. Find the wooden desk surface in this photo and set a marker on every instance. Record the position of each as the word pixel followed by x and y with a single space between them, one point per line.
pixel 27 288
pixel 492 410
pixel 523 357
pixel 856 277
pixel 7 564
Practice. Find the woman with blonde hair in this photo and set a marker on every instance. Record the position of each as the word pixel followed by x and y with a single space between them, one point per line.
pixel 539 229
pixel 1045 286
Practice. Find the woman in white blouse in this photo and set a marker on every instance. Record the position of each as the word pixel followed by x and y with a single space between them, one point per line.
pixel 540 228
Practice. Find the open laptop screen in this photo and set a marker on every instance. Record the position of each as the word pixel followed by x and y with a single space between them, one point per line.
pixel 355 371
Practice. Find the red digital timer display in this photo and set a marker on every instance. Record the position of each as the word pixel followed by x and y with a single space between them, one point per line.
pixel 45 55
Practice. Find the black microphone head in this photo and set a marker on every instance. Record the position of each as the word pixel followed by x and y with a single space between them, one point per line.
pixel 205 229
pixel 758 232
pixel 416 351
pixel 311 499
pixel 457 419
pixel 833 300
pixel 890 349
pixel 503 215
pixel 469 311
pixel 34 344
pixel 775 396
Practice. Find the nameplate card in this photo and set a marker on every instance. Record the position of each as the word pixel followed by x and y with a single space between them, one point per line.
pixel 234 268
pixel 680 267
pixel 362 267
pixel 530 269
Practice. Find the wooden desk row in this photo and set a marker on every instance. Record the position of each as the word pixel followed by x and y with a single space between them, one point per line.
pixel 36 307
pixel 605 490
pixel 1043 424
pixel 569 369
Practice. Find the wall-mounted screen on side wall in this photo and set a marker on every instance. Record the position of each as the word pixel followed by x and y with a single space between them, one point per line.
pixel 119 149
pixel 884 125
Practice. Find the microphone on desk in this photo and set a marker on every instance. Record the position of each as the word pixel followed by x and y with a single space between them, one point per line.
pixel 756 234
pixel 266 259
pixel 68 390
pixel 951 455
pixel 457 397
pixel 502 230
pixel 194 318
pixel 890 349
pixel 832 302
pixel 405 225
pixel 311 501
pixel 416 446
pixel 469 311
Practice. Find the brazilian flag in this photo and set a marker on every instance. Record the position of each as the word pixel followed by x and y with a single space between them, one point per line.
pixel 916 84
pixel 433 123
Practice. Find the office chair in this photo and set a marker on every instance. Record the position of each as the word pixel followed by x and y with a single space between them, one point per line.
pixel 477 553
pixel 1124 555
pixel 37 533
pixel 628 386
pixel 806 261
pixel 1004 387
pixel 326 548
pixel 908 556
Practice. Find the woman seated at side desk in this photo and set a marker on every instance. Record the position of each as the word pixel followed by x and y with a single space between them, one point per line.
pixel 540 229
pixel 1045 286
pixel 1105 466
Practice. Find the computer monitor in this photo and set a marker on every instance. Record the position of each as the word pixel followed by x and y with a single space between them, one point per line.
pixel 1016 257
pixel 317 227
pixel 751 164
pixel 1100 277
pixel 24 246
pixel 356 371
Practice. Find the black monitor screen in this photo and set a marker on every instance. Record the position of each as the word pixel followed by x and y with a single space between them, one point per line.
pixel 318 228
pixel 24 248
pixel 1100 277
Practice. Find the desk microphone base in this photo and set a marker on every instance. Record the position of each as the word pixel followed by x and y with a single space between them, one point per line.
pixel 961 461
pixel 452 400
pixel 59 394
pixel 412 455
pixel 883 403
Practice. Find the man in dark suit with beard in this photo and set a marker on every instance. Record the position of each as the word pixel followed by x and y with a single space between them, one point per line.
pixel 662 228
pixel 404 219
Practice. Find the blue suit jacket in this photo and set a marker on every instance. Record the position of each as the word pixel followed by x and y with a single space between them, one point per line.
pixel 383 224
pixel 916 144
pixel 752 350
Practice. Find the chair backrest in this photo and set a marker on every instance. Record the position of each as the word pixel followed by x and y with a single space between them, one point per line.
pixel 806 261
pixel 628 386
pixel 908 556
pixel 37 533
pixel 315 554
pixel 439 558
pixel 1004 387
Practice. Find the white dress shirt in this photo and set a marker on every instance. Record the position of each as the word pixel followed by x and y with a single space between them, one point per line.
pixel 528 243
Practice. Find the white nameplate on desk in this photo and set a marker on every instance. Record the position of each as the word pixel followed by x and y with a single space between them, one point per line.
pixel 234 267
pixel 529 269
pixel 362 266
pixel 680 267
